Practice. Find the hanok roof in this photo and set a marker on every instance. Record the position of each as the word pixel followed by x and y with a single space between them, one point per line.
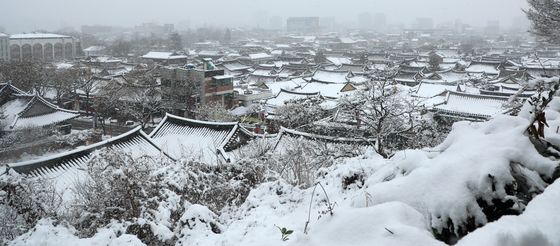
pixel 286 137
pixel 134 142
pixel 278 86
pixel 262 70
pixel 163 56
pixel 293 71
pixel 471 106
pixel 407 77
pixel 327 90
pixel 429 90
pixel 22 110
pixel 326 76
pixel 450 77
pixel 259 56
pixel 354 68
pixel 483 67
pixel 197 140
pixel 257 79
pixel 285 96
pixel 339 60
pixel 234 65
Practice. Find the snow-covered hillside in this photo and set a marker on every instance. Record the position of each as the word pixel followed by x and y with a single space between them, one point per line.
pixel 480 173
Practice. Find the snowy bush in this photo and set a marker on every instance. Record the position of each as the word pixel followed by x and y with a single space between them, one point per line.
pixel 75 138
pixel 215 186
pixel 23 202
pixel 117 188
pixel 154 199
pixel 300 112
pixel 23 136
pixel 296 160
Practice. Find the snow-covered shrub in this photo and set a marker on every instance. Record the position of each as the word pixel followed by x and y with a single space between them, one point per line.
pixel 75 138
pixel 23 202
pixel 23 136
pixel 298 160
pixel 481 172
pixel 300 112
pixel 214 186
pixel 49 232
pixel 117 188
pixel 154 199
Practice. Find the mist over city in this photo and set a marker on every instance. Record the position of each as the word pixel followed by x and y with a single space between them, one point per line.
pixel 310 122
pixel 59 14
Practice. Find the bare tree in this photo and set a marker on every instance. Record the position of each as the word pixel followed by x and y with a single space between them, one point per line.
pixel 24 75
pixel 213 111
pixel 385 114
pixel 85 83
pixel 297 113
pixel 545 18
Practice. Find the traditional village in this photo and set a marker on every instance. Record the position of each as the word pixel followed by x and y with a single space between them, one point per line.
pixel 160 135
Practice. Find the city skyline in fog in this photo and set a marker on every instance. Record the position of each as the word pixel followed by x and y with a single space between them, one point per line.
pixel 30 15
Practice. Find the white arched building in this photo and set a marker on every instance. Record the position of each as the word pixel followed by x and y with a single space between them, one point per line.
pixel 4 40
pixel 42 46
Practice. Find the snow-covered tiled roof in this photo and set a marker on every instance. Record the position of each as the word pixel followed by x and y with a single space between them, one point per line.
pixel 134 142
pixel 327 90
pixel 285 96
pixel 234 66
pixel 471 106
pixel 276 87
pixel 259 56
pixel 487 68
pixel 326 76
pixel 163 55
pixel 195 140
pixel 339 60
pixel 26 111
pixel 286 137
pixel 429 90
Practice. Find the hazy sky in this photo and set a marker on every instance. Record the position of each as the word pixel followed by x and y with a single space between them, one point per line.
pixel 29 15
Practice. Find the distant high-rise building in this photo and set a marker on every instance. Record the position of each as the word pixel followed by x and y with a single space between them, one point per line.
pixel 276 23
pixel 365 21
pixel 425 23
pixel 96 29
pixel 459 26
pixel 153 28
pixel 327 23
pixel 492 27
pixel 168 28
pixel 303 24
pixel 380 22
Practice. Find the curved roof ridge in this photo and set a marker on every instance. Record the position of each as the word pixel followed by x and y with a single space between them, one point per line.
pixel 32 165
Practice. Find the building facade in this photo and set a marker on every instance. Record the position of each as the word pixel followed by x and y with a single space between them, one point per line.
pixel 42 47
pixel 4 51
pixel 184 89
pixel 303 24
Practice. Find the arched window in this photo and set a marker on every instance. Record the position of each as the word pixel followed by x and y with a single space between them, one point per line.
pixel 48 52
pixel 58 47
pixel 38 52
pixel 15 52
pixel 26 52
pixel 68 51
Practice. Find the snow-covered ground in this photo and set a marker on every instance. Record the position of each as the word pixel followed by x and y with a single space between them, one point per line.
pixel 405 200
